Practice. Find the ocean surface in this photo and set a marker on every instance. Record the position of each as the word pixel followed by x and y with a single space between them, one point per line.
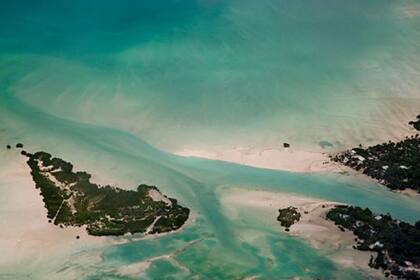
pixel 116 87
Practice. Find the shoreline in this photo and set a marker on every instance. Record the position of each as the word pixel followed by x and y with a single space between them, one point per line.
pixel 310 162
pixel 123 239
pixel 297 158
pixel 313 227
pixel 28 238
pixel 286 159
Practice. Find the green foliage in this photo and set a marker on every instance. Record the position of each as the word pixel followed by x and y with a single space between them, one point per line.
pixel 416 123
pixel 64 215
pixel 395 242
pixel 72 200
pixel 396 165
pixel 288 216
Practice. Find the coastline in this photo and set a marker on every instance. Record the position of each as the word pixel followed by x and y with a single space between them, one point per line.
pixel 26 228
pixel 320 233
pixel 291 159
pixel 286 159
pixel 52 241
pixel 118 240
pixel 312 158
pixel 27 238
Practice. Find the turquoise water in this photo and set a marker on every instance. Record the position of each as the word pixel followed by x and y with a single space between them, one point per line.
pixel 115 88
pixel 200 73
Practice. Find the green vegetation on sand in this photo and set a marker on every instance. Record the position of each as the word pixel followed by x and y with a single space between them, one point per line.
pixel 288 216
pixel 396 243
pixel 394 164
pixel 72 200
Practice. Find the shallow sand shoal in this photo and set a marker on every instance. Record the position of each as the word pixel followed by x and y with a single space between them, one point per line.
pixel 29 240
pixel 393 121
pixel 26 236
pixel 312 227
pixel 288 159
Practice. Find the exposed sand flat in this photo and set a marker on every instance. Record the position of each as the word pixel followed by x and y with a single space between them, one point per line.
pixel 390 123
pixel 410 193
pixel 288 159
pixel 312 227
pixel 25 230
pixel 26 237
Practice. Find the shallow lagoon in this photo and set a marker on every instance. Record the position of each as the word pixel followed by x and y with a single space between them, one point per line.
pixel 114 88
pixel 215 246
pixel 219 74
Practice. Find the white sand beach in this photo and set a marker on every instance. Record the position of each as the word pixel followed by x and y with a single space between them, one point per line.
pixel 313 158
pixel 288 159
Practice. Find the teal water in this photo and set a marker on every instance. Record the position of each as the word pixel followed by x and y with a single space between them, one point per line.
pixel 115 87
pixel 202 73
pixel 211 247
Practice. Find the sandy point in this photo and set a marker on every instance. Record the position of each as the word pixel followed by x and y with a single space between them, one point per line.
pixel 287 159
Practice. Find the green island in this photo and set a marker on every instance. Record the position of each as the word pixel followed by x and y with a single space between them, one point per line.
pixel 395 165
pixel 288 216
pixel 72 200
pixel 396 243
pixel 416 123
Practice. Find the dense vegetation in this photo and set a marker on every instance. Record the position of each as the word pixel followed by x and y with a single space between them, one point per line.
pixel 72 200
pixel 395 165
pixel 396 243
pixel 416 123
pixel 288 216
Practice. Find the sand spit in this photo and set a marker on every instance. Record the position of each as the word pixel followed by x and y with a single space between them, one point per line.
pixel 288 159
pixel 393 121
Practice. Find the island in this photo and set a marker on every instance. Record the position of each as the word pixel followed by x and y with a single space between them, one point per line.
pixel 288 216
pixel 394 164
pixel 71 199
pixel 416 123
pixel 396 243
pixel 392 245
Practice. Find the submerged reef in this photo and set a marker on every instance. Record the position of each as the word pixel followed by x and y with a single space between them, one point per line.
pixel 72 200
pixel 395 165
pixel 288 216
pixel 396 243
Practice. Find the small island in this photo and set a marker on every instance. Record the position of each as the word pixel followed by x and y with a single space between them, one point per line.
pixel 416 123
pixel 72 200
pixel 288 216
pixel 395 165
pixel 396 243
